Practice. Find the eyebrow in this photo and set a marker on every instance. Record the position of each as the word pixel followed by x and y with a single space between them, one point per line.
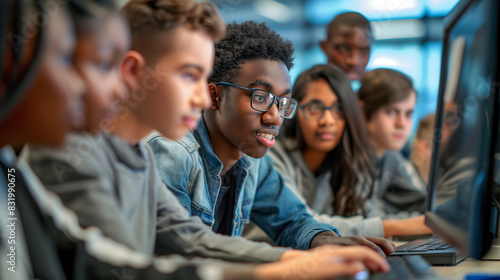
pixel 317 100
pixel 191 65
pixel 269 87
pixel 401 111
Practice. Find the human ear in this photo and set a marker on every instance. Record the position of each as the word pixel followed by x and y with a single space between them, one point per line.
pixel 214 96
pixel 324 46
pixel 132 68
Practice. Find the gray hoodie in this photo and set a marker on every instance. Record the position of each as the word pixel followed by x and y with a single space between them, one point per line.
pixel 393 189
pixel 116 187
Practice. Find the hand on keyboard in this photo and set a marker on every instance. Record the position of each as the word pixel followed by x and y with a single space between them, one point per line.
pixel 381 245
pixel 326 262
pixel 407 267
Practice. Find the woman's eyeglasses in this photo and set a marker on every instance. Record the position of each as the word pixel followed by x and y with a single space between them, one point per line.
pixel 315 110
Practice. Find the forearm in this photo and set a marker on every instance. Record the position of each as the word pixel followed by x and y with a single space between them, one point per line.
pixel 411 226
pixel 356 225
pixel 191 237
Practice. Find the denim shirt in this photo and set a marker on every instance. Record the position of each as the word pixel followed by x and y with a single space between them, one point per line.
pixel 190 168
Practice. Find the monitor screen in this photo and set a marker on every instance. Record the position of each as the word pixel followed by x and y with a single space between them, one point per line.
pixel 463 161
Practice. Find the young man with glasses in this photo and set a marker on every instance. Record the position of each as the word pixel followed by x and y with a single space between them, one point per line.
pixel 220 171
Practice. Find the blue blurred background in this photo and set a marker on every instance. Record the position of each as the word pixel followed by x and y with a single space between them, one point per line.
pixel 408 34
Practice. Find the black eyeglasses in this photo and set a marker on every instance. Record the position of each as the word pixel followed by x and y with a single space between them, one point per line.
pixel 315 110
pixel 262 100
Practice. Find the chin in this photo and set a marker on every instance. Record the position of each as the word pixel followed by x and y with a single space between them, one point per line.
pixel 255 152
pixel 354 76
pixel 397 147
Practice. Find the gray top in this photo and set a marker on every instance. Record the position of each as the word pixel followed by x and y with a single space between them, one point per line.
pixel 317 194
pixel 398 196
pixel 394 188
pixel 117 188
pixel 11 231
pixel 102 255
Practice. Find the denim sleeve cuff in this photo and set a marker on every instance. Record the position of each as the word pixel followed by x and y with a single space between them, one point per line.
pixel 305 243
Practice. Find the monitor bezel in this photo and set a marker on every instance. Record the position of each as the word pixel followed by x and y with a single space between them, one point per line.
pixel 478 230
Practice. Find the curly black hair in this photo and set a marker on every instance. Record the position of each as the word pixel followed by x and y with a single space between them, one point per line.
pixel 246 41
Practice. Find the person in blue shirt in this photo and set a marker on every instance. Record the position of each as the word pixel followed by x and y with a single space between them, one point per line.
pixel 220 171
pixel 41 96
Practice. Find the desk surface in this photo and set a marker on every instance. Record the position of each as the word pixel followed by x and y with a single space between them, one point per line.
pixel 470 265
pixel 459 271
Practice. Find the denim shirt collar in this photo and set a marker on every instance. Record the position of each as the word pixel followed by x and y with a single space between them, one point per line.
pixel 202 136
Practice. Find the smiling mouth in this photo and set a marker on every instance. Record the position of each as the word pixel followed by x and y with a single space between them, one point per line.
pixel 266 136
pixel 266 139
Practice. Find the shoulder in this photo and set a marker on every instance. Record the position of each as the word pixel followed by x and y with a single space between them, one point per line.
pixel 284 158
pixel 278 152
pixel 81 155
pixel 175 160
pixel 159 144
pixel 77 149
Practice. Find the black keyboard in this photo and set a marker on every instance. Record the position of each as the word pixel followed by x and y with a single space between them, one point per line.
pixel 434 250
pixel 406 267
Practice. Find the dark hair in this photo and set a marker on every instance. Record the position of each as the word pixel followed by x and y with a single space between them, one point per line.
pixel 352 160
pixel 83 12
pixel 148 17
pixel 351 19
pixel 13 42
pixel 247 41
pixel 383 86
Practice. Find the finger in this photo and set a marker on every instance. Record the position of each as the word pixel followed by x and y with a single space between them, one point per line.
pixel 367 243
pixel 370 258
pixel 384 244
pixel 347 269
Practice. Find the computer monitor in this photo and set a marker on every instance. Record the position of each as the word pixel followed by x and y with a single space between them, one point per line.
pixel 463 184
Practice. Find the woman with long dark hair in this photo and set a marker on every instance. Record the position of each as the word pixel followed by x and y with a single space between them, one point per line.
pixel 325 156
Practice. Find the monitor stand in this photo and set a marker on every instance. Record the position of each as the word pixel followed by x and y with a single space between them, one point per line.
pixel 494 252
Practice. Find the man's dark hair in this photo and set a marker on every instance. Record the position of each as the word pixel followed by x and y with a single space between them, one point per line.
pixel 351 19
pixel 248 41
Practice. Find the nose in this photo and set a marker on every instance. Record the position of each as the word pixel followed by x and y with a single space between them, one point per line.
pixel 402 121
pixel 201 96
pixel 354 58
pixel 328 118
pixel 272 116
pixel 78 86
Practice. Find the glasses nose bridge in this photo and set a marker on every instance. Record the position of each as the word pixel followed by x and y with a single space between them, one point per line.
pixel 333 111
pixel 276 101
